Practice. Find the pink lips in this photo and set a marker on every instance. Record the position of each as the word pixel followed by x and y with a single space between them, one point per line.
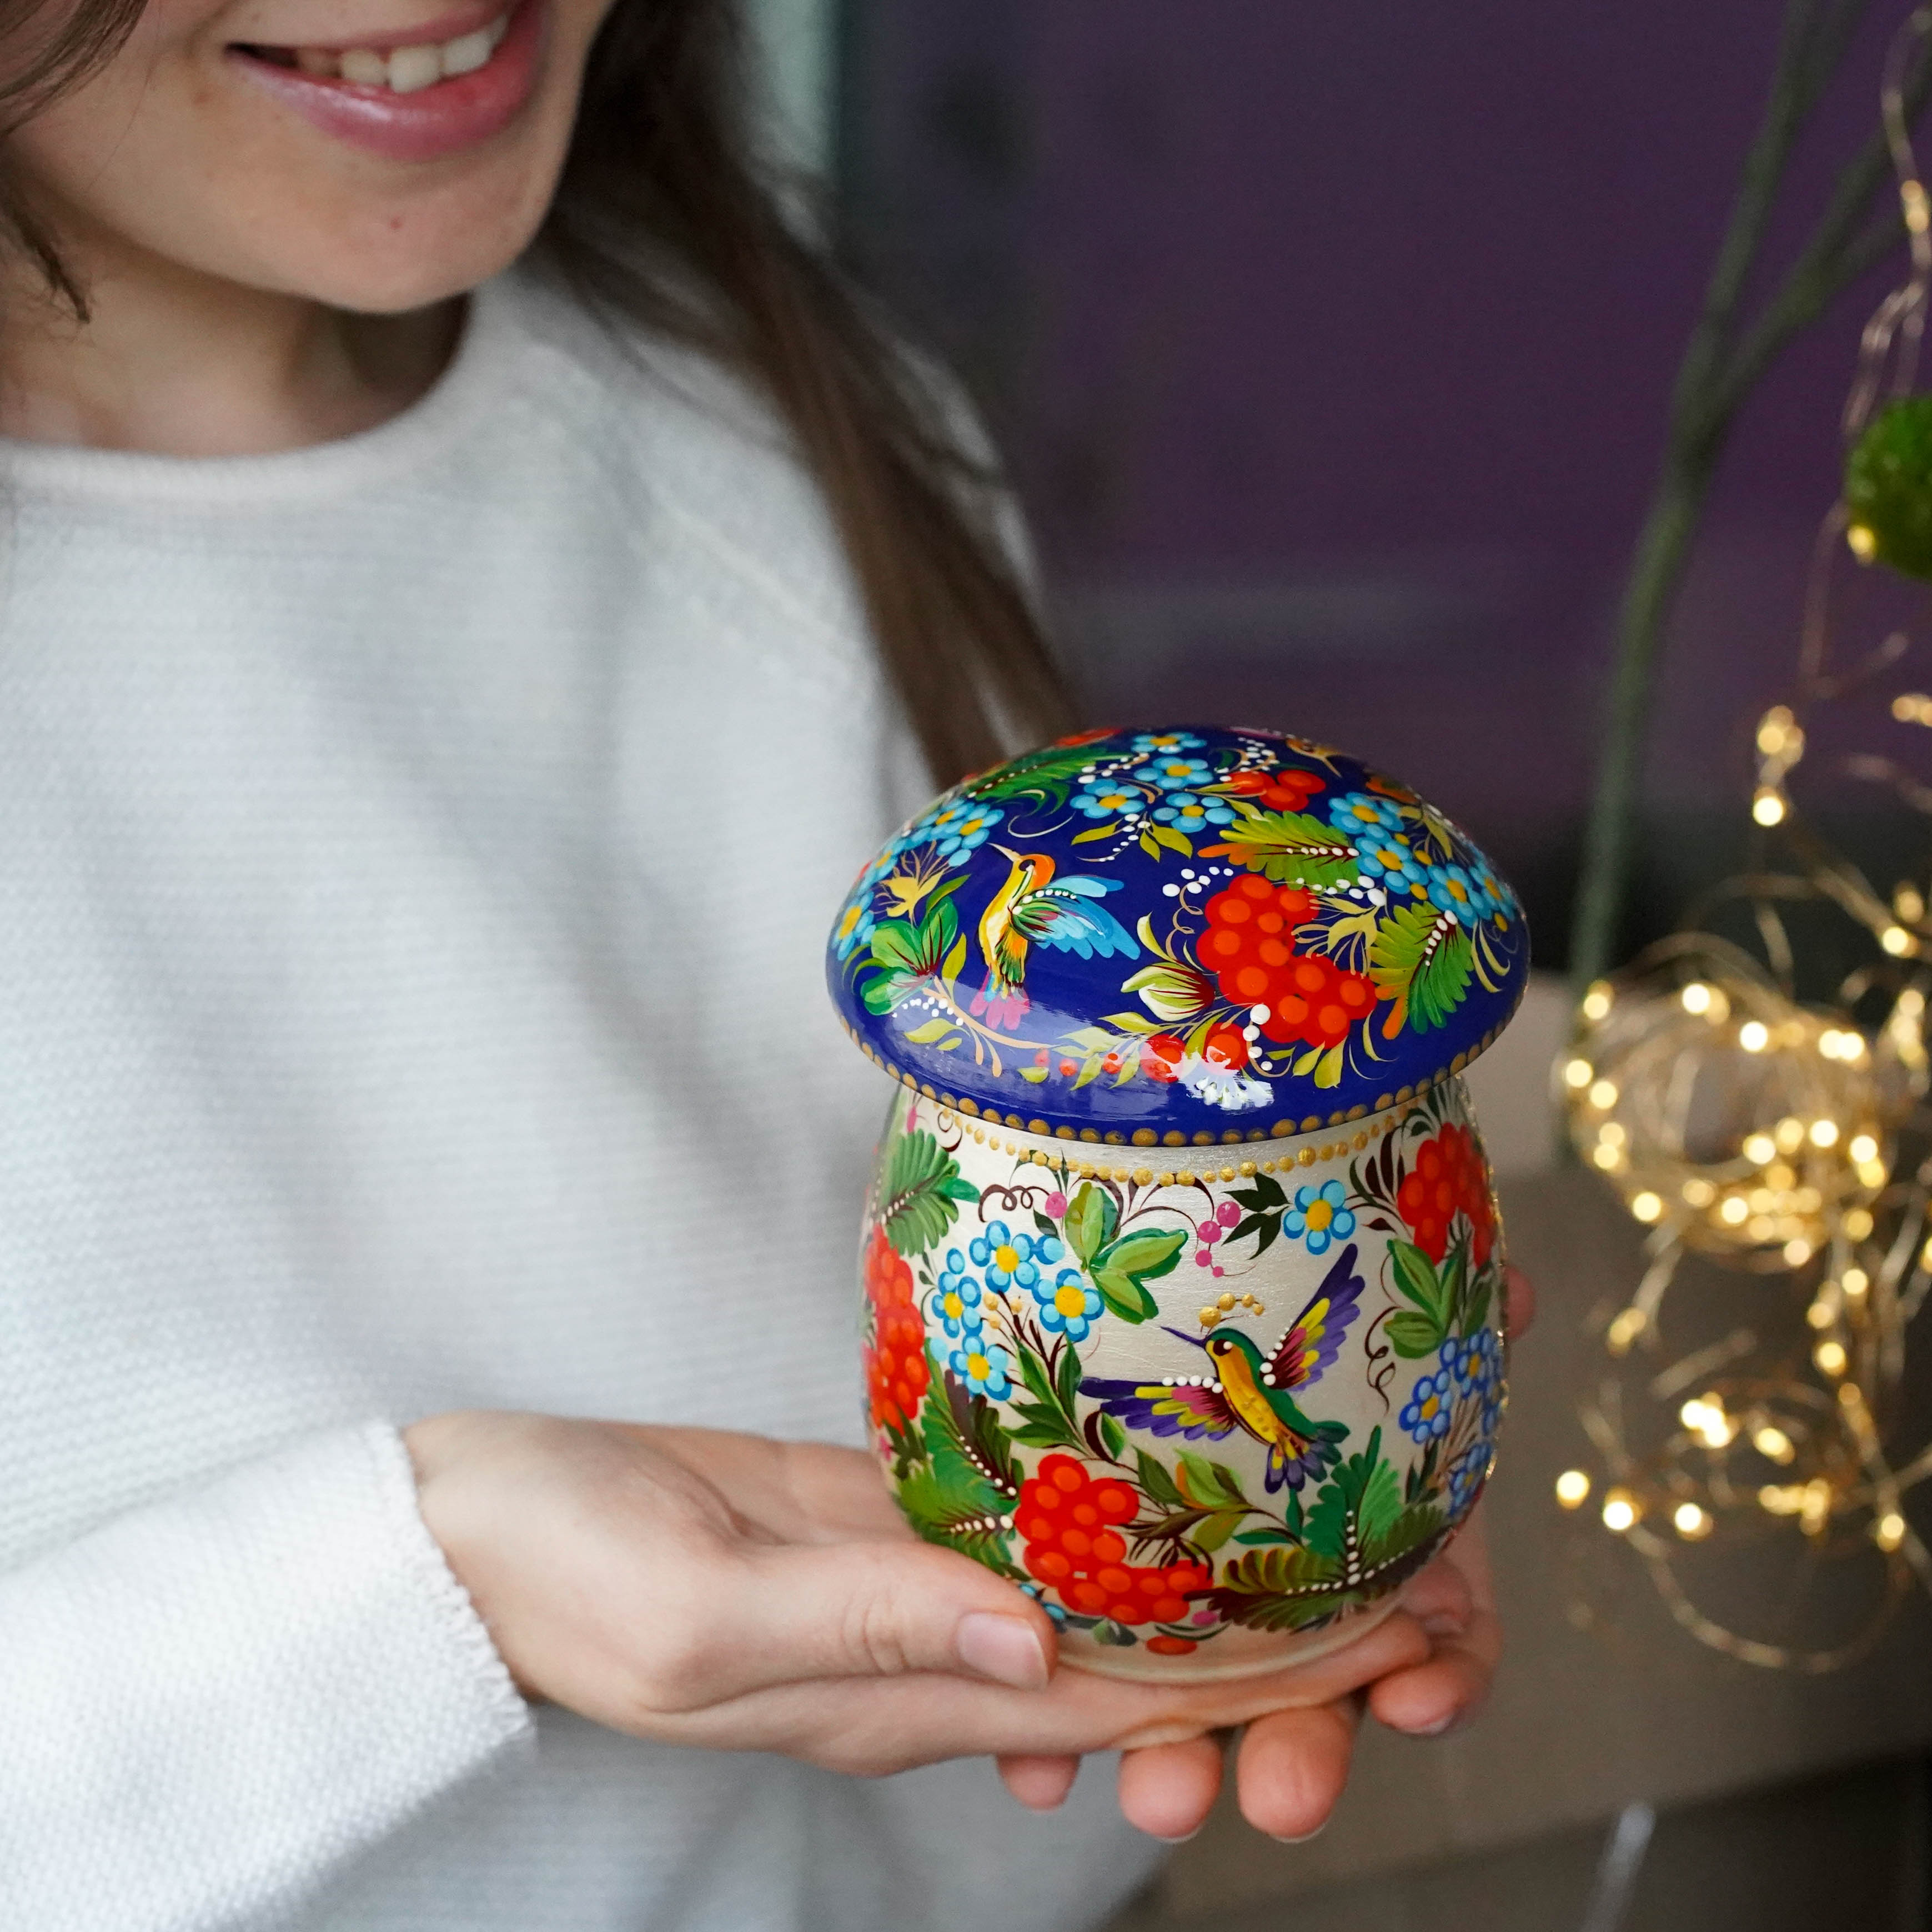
pixel 444 119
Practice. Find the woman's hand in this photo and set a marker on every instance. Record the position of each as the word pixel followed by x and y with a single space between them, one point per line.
pixel 1290 1767
pixel 702 1588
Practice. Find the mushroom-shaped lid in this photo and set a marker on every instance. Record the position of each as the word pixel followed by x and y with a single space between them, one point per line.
pixel 1182 937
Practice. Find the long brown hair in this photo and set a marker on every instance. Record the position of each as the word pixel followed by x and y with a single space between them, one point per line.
pixel 663 220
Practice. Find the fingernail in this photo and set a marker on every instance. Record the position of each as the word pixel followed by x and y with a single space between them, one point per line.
pixel 1436 1729
pixel 1445 1623
pixel 1004 1648
pixel 1306 1836
pixel 1181 1840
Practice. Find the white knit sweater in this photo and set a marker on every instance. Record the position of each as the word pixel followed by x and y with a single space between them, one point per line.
pixel 416 853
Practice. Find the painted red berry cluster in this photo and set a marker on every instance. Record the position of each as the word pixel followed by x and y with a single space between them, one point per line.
pixel 1071 1523
pixel 1446 1178
pixel 1249 948
pixel 896 1370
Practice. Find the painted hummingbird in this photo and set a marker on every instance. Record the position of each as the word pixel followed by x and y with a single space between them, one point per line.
pixel 1251 1391
pixel 1060 912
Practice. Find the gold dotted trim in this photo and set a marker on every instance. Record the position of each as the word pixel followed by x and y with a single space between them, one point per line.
pixel 976 1120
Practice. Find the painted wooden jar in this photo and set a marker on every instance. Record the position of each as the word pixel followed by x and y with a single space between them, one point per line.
pixel 1181 1268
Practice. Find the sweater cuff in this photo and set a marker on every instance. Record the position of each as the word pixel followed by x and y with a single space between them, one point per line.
pixel 211 1705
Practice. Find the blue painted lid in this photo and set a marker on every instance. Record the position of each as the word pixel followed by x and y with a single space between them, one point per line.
pixel 1177 937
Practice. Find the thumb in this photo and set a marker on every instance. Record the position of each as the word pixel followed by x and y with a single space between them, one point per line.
pixel 879 1609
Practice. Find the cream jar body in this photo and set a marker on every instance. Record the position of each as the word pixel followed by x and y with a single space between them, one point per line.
pixel 1210 1406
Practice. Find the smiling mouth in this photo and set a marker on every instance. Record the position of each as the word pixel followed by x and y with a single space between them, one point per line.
pixel 401 71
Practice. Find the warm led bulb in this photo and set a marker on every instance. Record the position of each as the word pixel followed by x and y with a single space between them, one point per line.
pixel 1753 1035
pixel 1604 1094
pixel 1898 941
pixel 1770 1442
pixel 1698 1192
pixel 1863 1147
pixel 1824 1133
pixel 1573 1488
pixel 1797 1252
pixel 1855 1281
pixel 1696 998
pixel 1620 1511
pixel 1597 1001
pixel 1857 1223
pixel 1889 1532
pixel 1578 1073
pixel 1693 1523
pixel 1733 1209
pixel 1760 1149
pixel 1646 1206
pixel 1830 1356
pixel 1768 805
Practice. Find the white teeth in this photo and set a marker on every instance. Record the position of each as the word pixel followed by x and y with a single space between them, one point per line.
pixel 408 70
pixel 466 55
pixel 412 69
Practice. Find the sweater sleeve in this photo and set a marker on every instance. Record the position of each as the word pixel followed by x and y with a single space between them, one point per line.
pixel 209 1705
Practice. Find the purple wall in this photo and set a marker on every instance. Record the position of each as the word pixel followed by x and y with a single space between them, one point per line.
pixel 1333 347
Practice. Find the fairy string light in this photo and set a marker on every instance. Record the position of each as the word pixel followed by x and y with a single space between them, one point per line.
pixel 1780 1138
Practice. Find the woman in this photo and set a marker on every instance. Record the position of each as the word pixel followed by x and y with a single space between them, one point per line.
pixel 442 702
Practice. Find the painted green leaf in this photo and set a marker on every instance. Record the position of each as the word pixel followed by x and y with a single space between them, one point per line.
pixel 1155 1480
pixel 1113 1435
pixel 1132 1022
pixel 1422 959
pixel 1407 1532
pixel 1048 773
pixel 1172 990
pixel 1476 1314
pixel 1212 1485
pixel 1413 1336
pixel 1146 1256
pixel 1175 841
pixel 933 1030
pixel 1279 1589
pixel 1091 1218
pixel 922 1184
pixel 964 1429
pixel 1416 1278
pixel 1292 848
pixel 1096 832
pixel 1214 1529
pixel 1360 1500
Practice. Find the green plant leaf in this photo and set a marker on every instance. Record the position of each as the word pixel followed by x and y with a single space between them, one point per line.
pixel 923 1182
pixel 1210 1485
pixel 1292 849
pixel 1113 1435
pixel 1423 960
pixel 1092 1217
pixel 1175 841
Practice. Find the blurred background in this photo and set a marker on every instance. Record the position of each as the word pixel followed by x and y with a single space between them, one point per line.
pixel 1331 350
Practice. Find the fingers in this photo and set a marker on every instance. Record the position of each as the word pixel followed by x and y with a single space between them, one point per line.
pixel 1518 1302
pixel 1291 1767
pixel 1168 1790
pixel 1039 1783
pixel 870 1609
pixel 1440 1599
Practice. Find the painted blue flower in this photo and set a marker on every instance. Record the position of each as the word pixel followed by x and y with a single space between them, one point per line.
pixel 857 925
pixel 985 1367
pixel 1009 1257
pixel 1172 773
pixel 1068 1305
pixel 1186 813
pixel 1466 1474
pixel 956 1299
pixel 1107 798
pixel 1426 1414
pixel 1449 889
pixel 961 827
pixel 1491 896
pixel 1318 1216
pixel 1389 860
pixel 1358 812
pixel 1039 1597
pixel 1149 744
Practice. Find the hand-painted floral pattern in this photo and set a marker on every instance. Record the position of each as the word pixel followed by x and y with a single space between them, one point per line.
pixel 1158 1512
pixel 1320 1217
pixel 1037 940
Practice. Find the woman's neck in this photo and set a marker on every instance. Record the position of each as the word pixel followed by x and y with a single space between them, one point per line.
pixel 178 363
